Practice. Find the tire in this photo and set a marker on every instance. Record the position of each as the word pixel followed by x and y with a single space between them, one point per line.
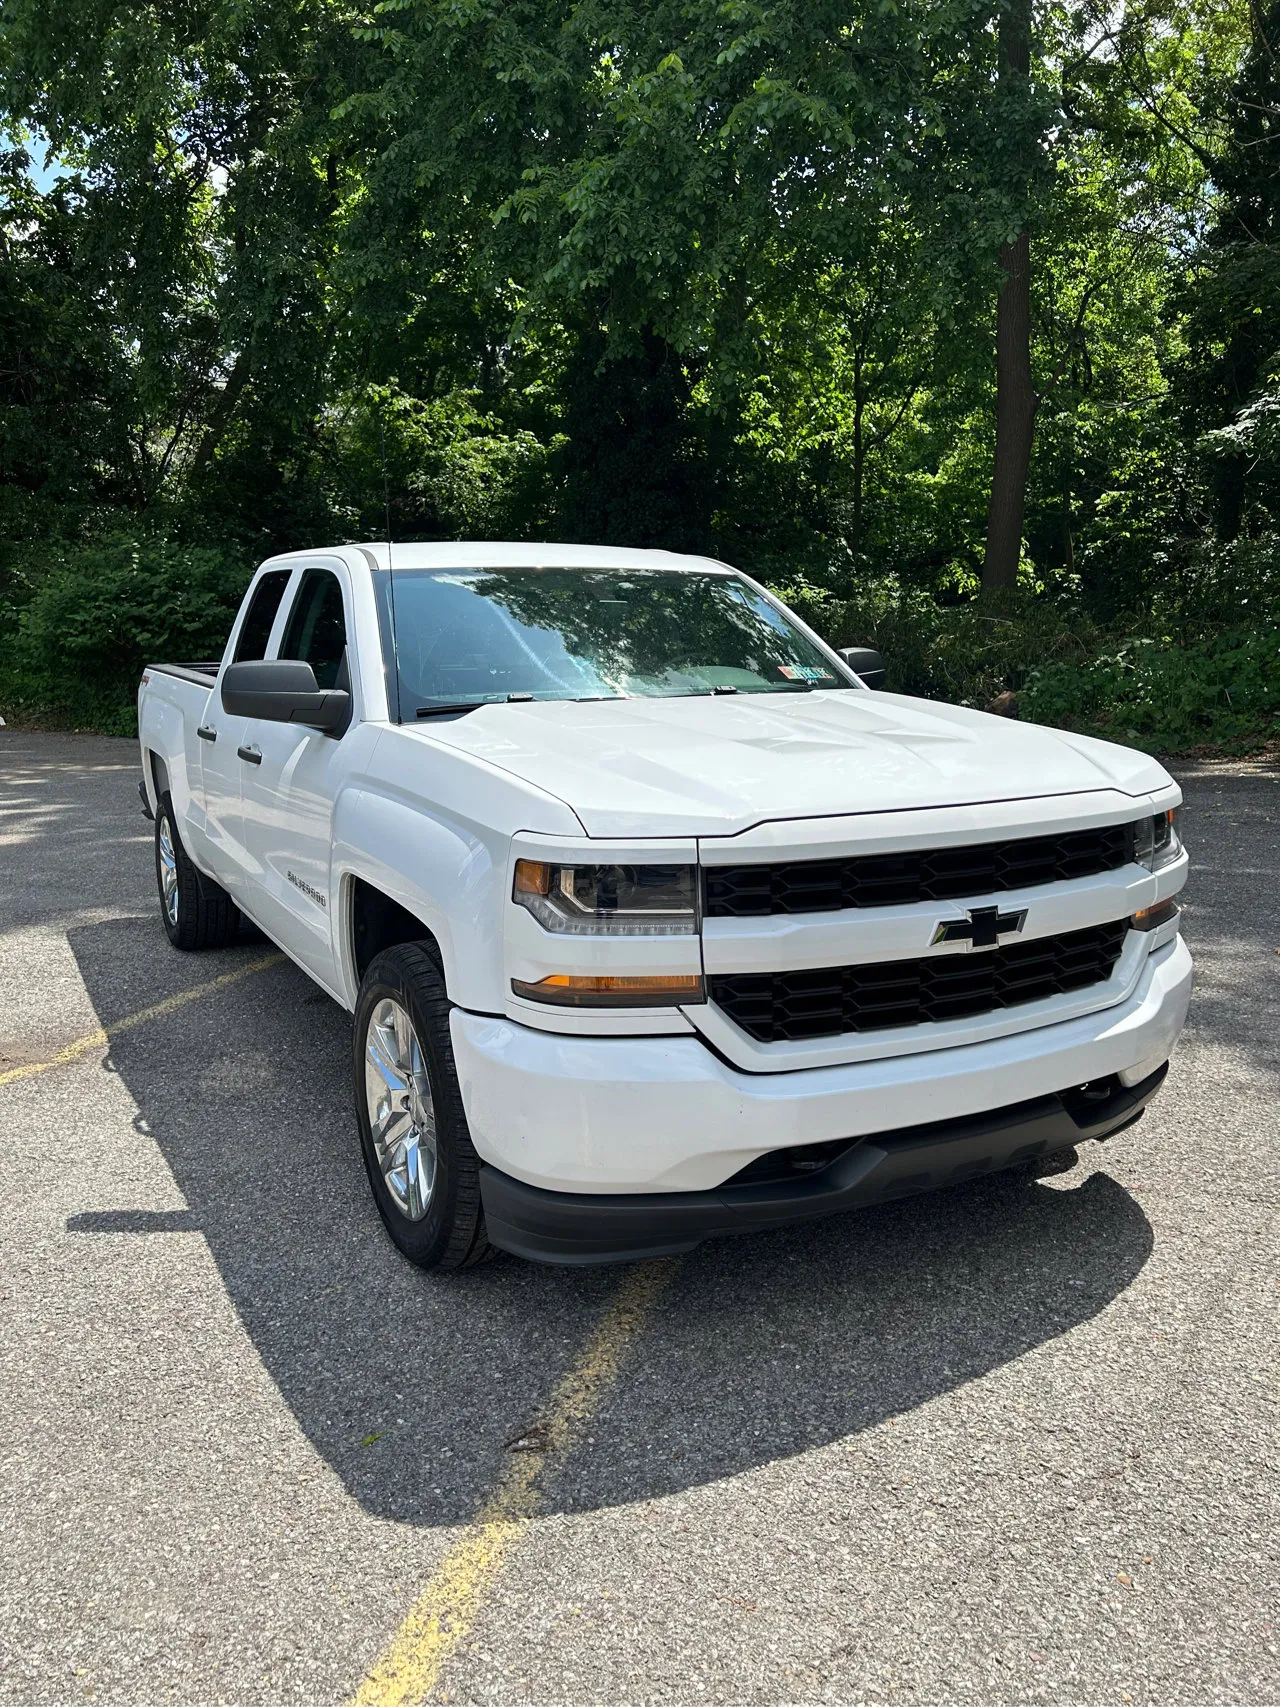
pixel 443 1226
pixel 197 912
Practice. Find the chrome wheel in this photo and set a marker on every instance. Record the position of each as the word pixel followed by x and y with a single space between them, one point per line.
pixel 402 1118
pixel 168 872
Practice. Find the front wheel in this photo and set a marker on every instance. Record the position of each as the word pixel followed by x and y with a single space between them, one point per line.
pixel 197 912
pixel 422 1166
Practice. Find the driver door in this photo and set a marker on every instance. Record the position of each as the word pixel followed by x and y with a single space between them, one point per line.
pixel 288 779
pixel 221 735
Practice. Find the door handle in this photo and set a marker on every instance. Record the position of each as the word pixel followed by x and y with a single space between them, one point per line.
pixel 251 755
pixel 207 732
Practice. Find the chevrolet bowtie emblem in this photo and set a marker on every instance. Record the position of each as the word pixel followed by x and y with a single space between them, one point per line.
pixel 982 927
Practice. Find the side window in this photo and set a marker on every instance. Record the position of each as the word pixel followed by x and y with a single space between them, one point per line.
pixel 317 630
pixel 256 627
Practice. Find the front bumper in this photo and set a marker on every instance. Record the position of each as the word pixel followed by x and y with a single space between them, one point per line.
pixel 571 1227
pixel 606 1115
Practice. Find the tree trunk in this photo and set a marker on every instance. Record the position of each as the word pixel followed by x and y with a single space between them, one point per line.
pixel 220 416
pixel 859 451
pixel 1015 419
pixel 1015 395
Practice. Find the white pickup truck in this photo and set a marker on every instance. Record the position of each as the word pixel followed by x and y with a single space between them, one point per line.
pixel 657 921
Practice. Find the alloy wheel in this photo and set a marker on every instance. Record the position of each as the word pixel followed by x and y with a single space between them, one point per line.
pixel 168 872
pixel 402 1117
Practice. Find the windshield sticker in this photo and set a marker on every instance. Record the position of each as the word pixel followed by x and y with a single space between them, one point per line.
pixel 805 673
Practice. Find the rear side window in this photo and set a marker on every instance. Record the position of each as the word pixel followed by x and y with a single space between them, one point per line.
pixel 317 631
pixel 256 628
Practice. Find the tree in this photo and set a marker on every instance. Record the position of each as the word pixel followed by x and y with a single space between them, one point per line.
pixel 712 273
pixel 1015 394
pixel 670 188
pixel 1231 383
pixel 205 195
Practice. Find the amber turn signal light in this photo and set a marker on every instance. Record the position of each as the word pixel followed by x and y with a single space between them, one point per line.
pixel 566 990
pixel 533 877
pixel 1151 918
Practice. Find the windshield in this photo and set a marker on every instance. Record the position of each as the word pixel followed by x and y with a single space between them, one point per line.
pixel 473 636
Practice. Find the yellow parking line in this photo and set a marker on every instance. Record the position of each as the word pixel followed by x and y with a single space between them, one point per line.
pixel 410 1667
pixel 98 1039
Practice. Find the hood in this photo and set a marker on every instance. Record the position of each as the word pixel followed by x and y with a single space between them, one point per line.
pixel 714 766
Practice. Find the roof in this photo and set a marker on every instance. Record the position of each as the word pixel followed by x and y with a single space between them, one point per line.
pixel 468 554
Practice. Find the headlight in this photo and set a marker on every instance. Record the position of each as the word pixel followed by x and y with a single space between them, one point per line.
pixel 608 900
pixel 1156 842
pixel 569 990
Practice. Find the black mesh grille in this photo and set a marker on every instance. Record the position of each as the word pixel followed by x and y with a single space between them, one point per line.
pixel 929 874
pixel 784 1007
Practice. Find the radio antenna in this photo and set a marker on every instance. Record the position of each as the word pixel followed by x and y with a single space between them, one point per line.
pixel 391 574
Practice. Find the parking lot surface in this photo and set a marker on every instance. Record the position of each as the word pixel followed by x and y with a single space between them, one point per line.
pixel 1011 1443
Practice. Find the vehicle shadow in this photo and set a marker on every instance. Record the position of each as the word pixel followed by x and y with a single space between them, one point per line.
pixel 412 1387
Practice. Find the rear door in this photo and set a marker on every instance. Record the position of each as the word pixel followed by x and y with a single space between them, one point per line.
pixel 220 737
pixel 289 776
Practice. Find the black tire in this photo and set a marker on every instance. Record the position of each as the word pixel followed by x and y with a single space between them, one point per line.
pixel 203 915
pixel 451 1233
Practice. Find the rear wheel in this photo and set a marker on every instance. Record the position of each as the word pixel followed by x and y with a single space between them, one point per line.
pixel 418 1153
pixel 197 912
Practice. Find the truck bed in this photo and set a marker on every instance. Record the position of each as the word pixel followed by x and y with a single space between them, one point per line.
pixel 204 673
pixel 172 702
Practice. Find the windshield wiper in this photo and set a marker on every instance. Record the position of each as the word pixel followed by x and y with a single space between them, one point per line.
pixel 511 699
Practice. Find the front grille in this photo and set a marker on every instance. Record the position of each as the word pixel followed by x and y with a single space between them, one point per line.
pixel 928 874
pixel 785 1007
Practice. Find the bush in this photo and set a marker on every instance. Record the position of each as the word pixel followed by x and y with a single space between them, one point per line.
pixel 79 623
pixel 95 615
pixel 1222 691
pixel 1206 686
pixel 1215 587
pixel 965 653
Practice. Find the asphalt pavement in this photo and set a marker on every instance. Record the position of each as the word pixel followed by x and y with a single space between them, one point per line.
pixel 1016 1442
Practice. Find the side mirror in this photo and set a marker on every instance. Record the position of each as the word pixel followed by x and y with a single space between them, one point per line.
pixel 866 662
pixel 284 690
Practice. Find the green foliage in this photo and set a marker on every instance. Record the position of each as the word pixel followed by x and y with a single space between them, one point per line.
pixel 1228 379
pixel 96 615
pixel 1222 692
pixel 1201 670
pixel 713 275
pixel 966 653
pixel 448 469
